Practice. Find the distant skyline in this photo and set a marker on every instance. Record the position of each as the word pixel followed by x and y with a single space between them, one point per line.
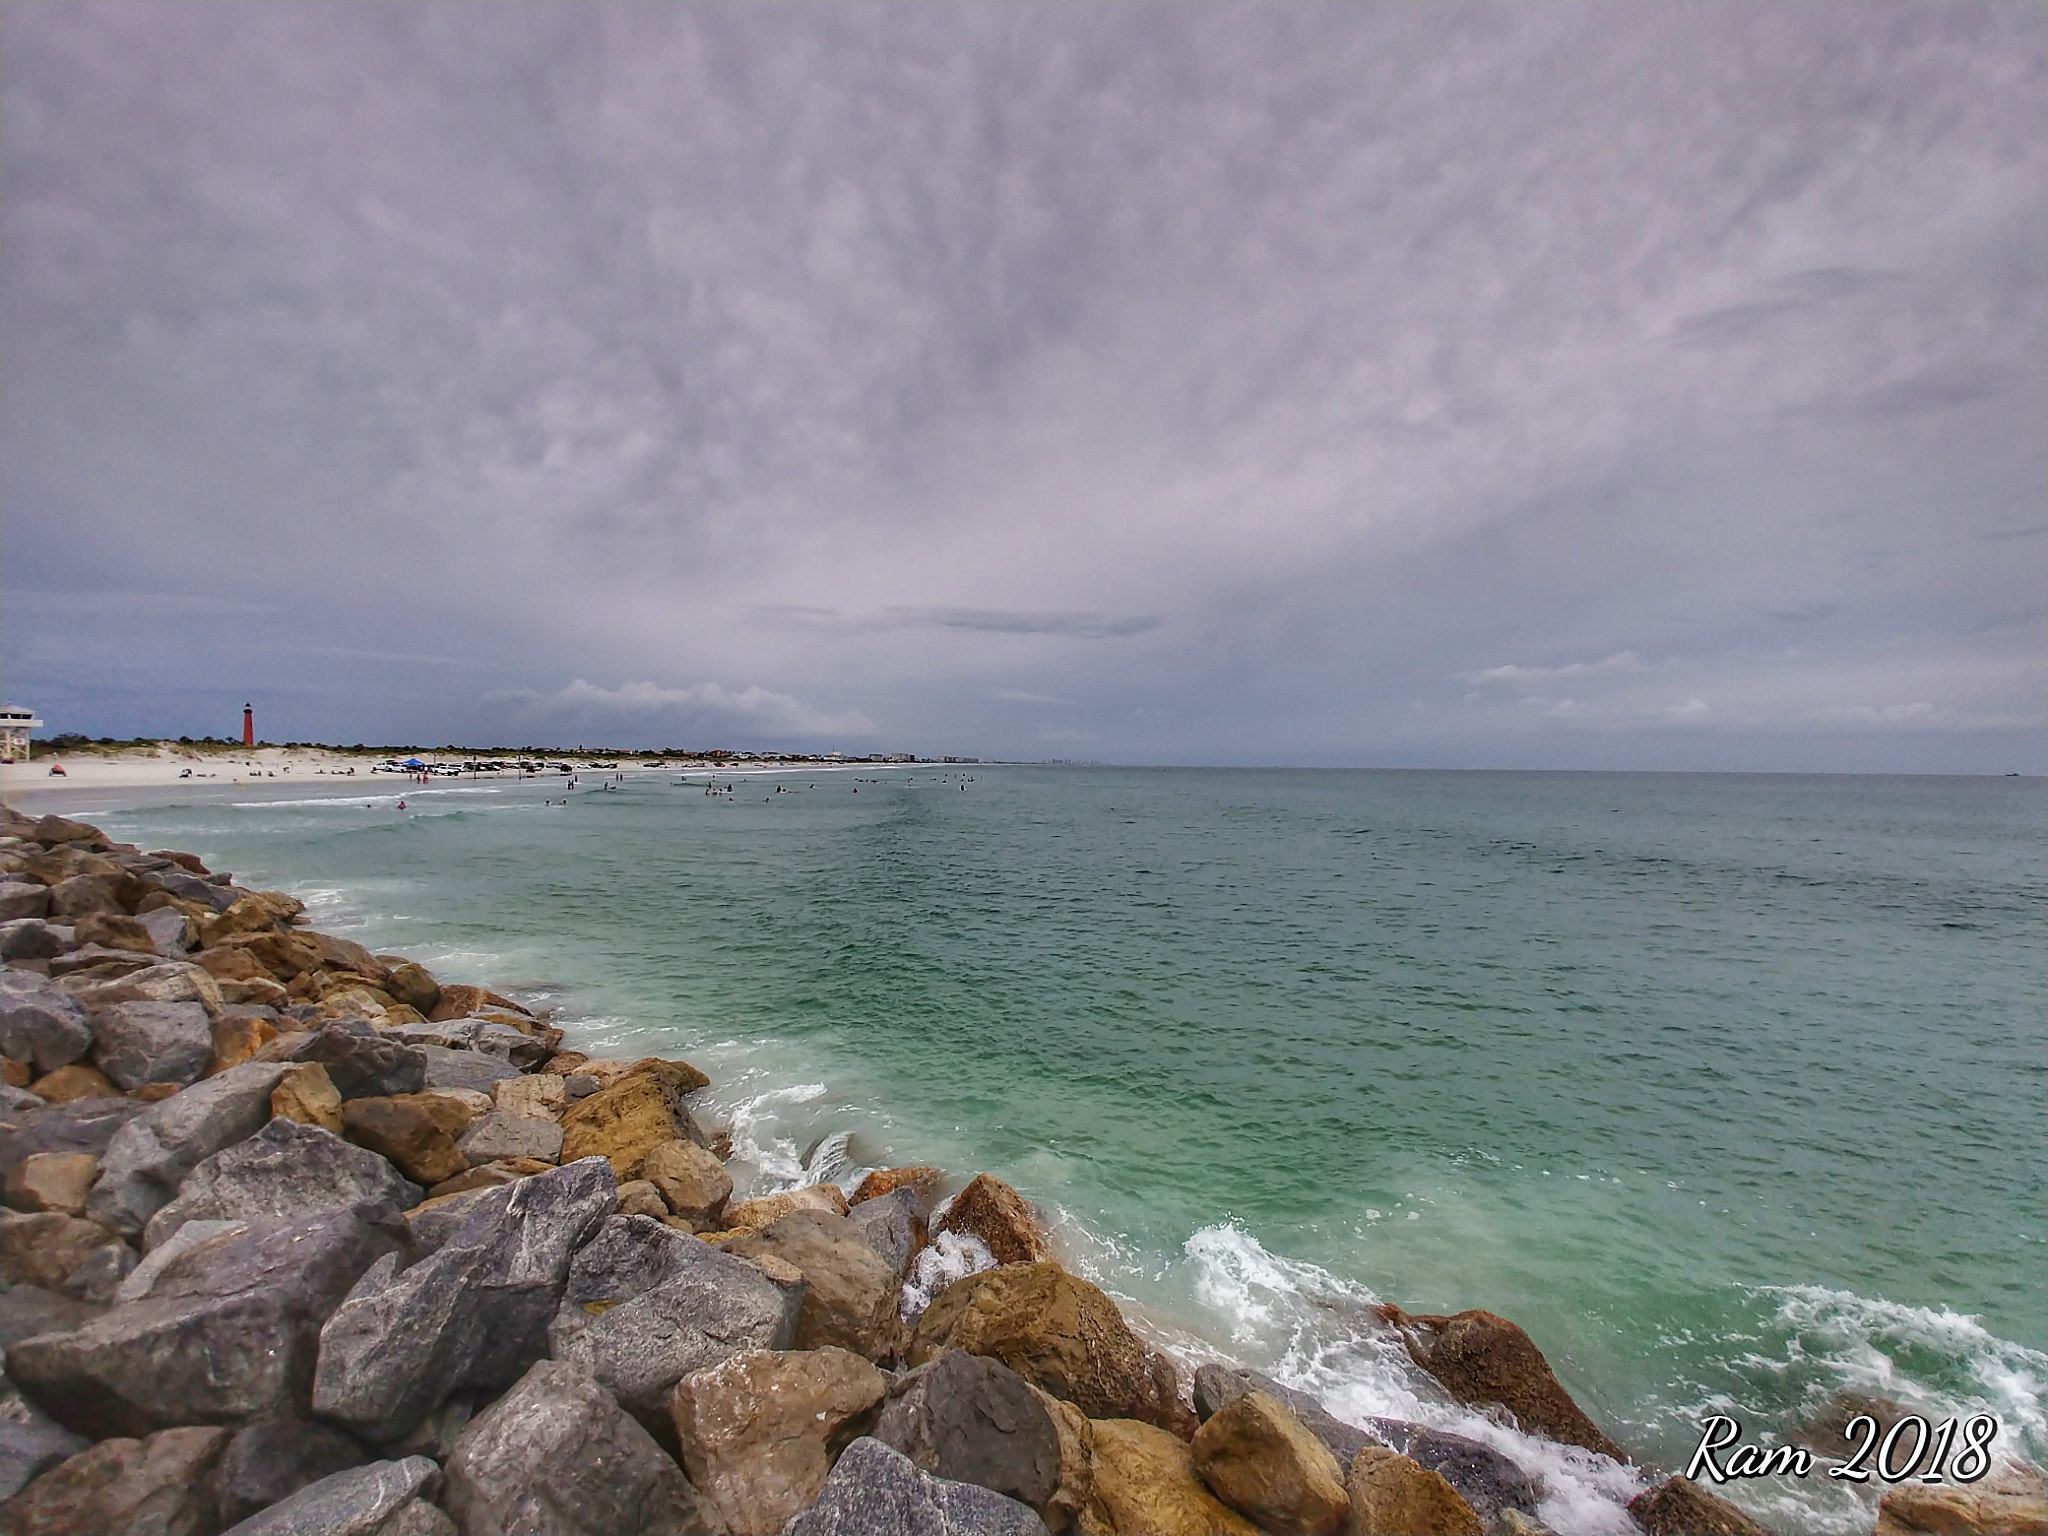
pixel 1519 385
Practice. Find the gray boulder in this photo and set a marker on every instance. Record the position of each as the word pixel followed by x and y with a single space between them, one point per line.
pixel 645 1305
pixel 166 929
pixel 894 1226
pixel 98 1276
pixel 147 1159
pixel 138 1043
pixel 31 1442
pixel 285 1169
pixel 497 1135
pixel 32 938
pixel 273 1457
pixel 168 981
pixel 23 898
pixel 41 1023
pixel 104 963
pixel 556 1454
pixel 472 1318
pixel 14 1101
pixel 487 1036
pixel 433 1227
pixel 162 1486
pixel 191 888
pixel 83 1125
pixel 227 1330
pixel 27 1310
pixel 974 1420
pixel 363 1062
pixel 877 1491
pixel 359 1502
pixel 447 1068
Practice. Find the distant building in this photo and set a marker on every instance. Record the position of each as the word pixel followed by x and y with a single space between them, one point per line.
pixel 15 725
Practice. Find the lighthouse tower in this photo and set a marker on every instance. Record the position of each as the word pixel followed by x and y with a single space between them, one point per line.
pixel 248 726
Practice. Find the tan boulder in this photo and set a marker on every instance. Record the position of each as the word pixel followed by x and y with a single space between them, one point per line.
pixel 415 1131
pixel 339 954
pixel 921 1178
pixel 353 1000
pixel 414 985
pixel 260 990
pixel 1060 1333
pixel 16 1074
pixel 246 916
pixel 1076 1488
pixel 1389 1495
pixel 565 1063
pixel 1681 1507
pixel 606 1069
pixel 992 1211
pixel 238 1039
pixel 694 1184
pixel 2013 1501
pixel 284 956
pixel 43 1248
pixel 307 1094
pixel 637 1197
pixel 52 1181
pixel 1482 1359
pixel 626 1121
pixel 538 1096
pixel 168 981
pixel 113 930
pixel 77 1081
pixel 850 1293
pixel 167 1485
pixel 1257 1458
pixel 759 1430
pixel 154 1093
pixel 400 1016
pixel 461 1001
pixel 762 1209
pixel 1145 1481
pixel 283 909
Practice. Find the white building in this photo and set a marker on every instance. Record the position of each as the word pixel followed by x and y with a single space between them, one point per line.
pixel 15 725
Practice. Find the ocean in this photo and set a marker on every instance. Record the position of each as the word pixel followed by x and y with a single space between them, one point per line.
pixel 1729 1089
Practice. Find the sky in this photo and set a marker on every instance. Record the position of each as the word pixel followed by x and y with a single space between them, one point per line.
pixel 1512 385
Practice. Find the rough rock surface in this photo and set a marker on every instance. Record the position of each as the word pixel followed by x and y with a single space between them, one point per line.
pixel 86 1126
pixel 224 1330
pixel 238 1035
pixel 541 1096
pixel 2012 1501
pixel 42 1249
pixel 22 898
pixel 974 1420
pixel 285 1169
pixel 1257 1458
pixel 163 1485
pixel 1059 1333
pixel 361 1063
pixel 31 938
pixel 894 1226
pixel 66 1085
pixel 359 1502
pixel 850 1293
pixel 40 1023
pixel 1145 1480
pixel 171 981
pixel 876 1491
pixel 147 1159
pixel 415 1131
pixel 629 1119
pixel 921 1179
pixel 27 1310
pixel 139 1043
pixel 693 1183
pixel 646 1306
pixel 1393 1496
pixel 273 1457
pixel 759 1430
pixel 762 1209
pixel 471 1070
pixel 307 1094
pixel 494 1136
pixel 556 1454
pixel 31 1442
pixel 999 1216
pixel 1679 1506
pixel 471 1318
pixel 1482 1359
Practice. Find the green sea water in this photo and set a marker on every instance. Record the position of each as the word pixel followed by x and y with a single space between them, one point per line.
pixel 1730 1089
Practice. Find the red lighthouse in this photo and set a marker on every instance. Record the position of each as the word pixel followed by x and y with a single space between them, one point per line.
pixel 248 726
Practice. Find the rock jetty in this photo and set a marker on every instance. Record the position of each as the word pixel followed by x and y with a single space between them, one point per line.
pixel 301 1240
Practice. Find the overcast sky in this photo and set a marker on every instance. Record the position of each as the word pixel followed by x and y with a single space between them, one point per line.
pixel 1514 385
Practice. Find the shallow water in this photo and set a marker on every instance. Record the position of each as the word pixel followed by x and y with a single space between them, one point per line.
pixel 1727 1088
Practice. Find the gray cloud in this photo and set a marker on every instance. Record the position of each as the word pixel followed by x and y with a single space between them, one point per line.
pixel 1304 361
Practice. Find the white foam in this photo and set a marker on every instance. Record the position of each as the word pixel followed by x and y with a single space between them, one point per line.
pixel 949 1256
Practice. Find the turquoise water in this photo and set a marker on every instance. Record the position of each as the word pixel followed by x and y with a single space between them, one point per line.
pixel 1729 1089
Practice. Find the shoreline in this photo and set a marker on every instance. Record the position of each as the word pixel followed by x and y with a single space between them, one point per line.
pixel 1005 1232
